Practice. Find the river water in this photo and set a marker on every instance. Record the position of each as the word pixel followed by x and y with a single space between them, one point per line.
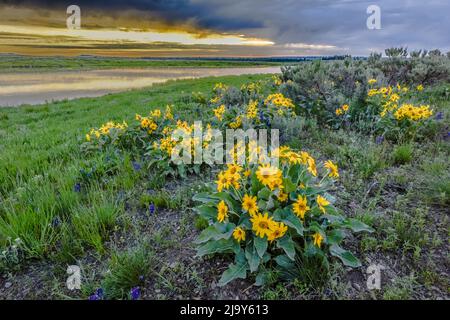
pixel 35 88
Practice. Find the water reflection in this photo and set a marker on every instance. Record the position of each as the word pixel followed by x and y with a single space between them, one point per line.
pixel 35 88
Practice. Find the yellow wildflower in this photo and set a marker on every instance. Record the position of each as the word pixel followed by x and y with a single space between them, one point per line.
pixel 333 169
pixel 239 234
pixel 277 230
pixel 222 211
pixel 300 207
pixel 262 224
pixel 249 204
pixel 322 203
pixel 318 238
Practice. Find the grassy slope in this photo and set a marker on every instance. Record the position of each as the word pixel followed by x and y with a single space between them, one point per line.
pixel 404 197
pixel 9 64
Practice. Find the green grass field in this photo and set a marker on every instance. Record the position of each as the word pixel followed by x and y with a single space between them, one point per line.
pixel 69 208
pixel 24 63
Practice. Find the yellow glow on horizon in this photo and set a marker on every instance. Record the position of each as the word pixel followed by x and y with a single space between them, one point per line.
pixel 114 36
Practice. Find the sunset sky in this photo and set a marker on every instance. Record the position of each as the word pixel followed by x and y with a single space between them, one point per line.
pixel 220 28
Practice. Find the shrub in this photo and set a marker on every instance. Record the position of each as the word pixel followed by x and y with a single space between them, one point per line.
pixel 403 154
pixel 266 215
pixel 127 270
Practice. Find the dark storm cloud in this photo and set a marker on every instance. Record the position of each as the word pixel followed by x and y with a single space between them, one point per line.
pixel 170 11
pixel 339 25
pixel 342 23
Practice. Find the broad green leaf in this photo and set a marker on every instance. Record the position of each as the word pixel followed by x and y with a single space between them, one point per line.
pixel 237 270
pixel 262 204
pixel 260 245
pixel 206 211
pixel 217 231
pixel 264 194
pixel 345 256
pixel 290 219
pixel 203 197
pixel 294 172
pixel 284 261
pixel 358 226
pixel 262 278
pixel 223 245
pixel 252 258
pixel 289 186
pixel 294 222
pixel 288 246
pixel 235 205
pixel 335 236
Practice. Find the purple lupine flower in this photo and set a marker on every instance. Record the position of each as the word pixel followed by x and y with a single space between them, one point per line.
pixel 77 187
pixel 135 293
pixel 261 116
pixel 379 139
pixel 56 222
pixel 439 116
pixel 98 295
pixel 151 208
pixel 94 297
pixel 136 166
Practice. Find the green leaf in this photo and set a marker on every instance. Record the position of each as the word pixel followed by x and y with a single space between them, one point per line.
pixel 284 261
pixel 206 211
pixel 203 197
pixel 287 244
pixel 260 245
pixel 294 172
pixel 335 236
pixel 358 226
pixel 345 256
pixel 252 257
pixel 262 204
pixel 262 278
pixel 224 245
pixel 217 231
pixel 290 219
pixel 264 193
pixel 237 270
pixel 294 222
pixel 289 186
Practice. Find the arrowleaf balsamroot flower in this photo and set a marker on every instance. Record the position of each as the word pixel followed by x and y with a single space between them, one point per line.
pixel 282 196
pixel 239 234
pixel 332 168
pixel 322 203
pixel 262 224
pixel 269 176
pixel 312 166
pixel 277 230
pixel 222 211
pixel 300 207
pixel 249 204
pixel 318 238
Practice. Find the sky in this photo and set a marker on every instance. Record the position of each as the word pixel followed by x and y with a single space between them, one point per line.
pixel 199 28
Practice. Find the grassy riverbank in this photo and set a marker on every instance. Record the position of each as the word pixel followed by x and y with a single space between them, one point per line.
pixel 69 208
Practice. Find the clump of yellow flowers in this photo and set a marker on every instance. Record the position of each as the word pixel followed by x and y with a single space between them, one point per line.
pixel 106 129
pixel 259 110
pixel 342 110
pixel 411 112
pixel 263 211
pixel 389 98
